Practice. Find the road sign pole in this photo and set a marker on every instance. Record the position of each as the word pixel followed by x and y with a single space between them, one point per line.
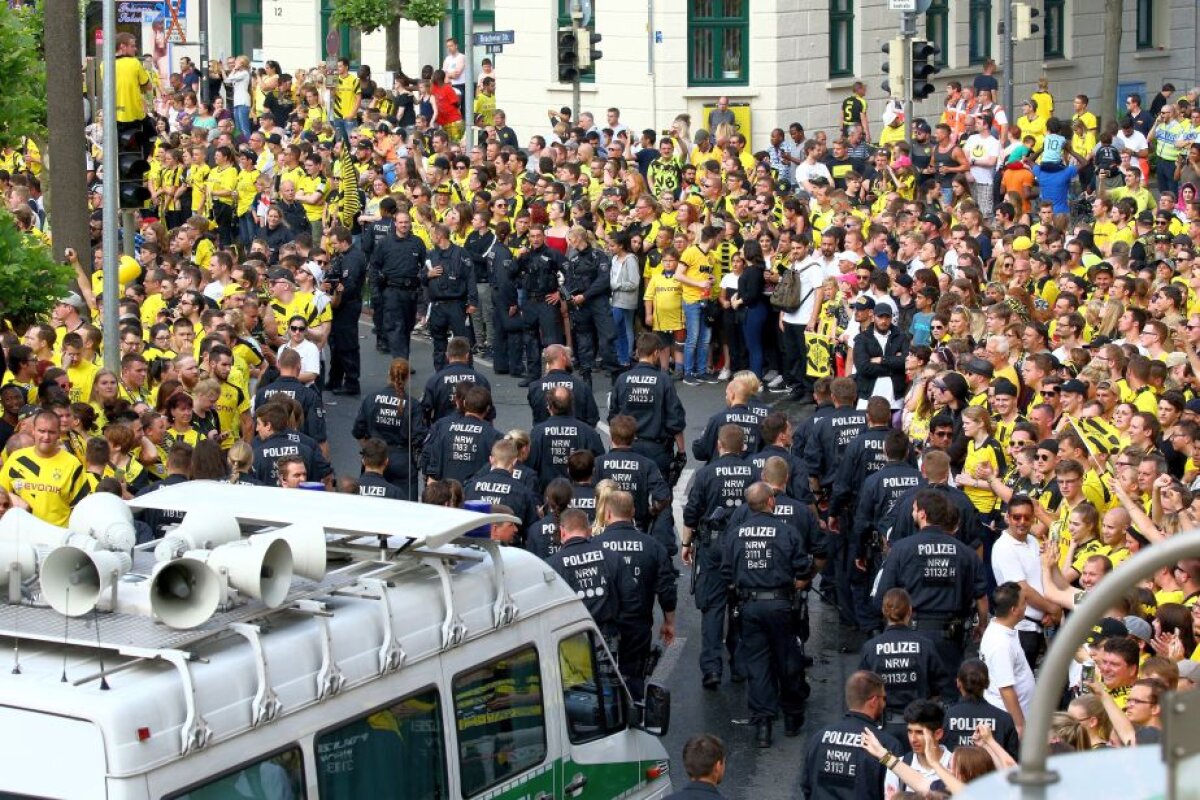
pixel 469 76
pixel 111 244
pixel 1009 64
pixel 908 29
pixel 576 19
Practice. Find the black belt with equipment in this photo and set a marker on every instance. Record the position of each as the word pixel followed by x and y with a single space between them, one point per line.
pixel 950 627
pixel 748 595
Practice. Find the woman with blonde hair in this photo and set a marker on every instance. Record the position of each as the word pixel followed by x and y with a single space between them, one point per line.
pixel 521 471
pixel 604 490
pixel 241 464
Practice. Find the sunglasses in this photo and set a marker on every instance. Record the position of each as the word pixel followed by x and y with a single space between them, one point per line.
pixel 297 328
pixel 1042 457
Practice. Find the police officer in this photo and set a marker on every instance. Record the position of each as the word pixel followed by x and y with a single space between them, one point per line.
pixel 647 394
pixel 877 499
pixel 458 446
pixel 763 560
pixel 540 268
pixel 556 371
pixel 944 577
pixel 508 324
pixel 824 407
pixel 586 291
pixel 581 469
pixel 827 442
pixel 737 392
pixel 449 277
pixel 438 400
pixel 400 260
pixel 273 442
pixel 776 435
pixel 497 486
pixel 906 661
pixel 653 577
pixel 372 483
pixel 596 575
pixel 972 710
pixel 935 468
pixel 288 384
pixel 836 765
pixel 636 474
pixel 391 415
pixel 344 284
pixel 552 442
pixel 862 458
pixel 542 539
pixel 717 489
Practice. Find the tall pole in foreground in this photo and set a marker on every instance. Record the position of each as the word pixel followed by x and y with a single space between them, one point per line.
pixel 468 45
pixel 111 244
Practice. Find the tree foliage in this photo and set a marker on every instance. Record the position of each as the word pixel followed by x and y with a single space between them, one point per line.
pixel 30 279
pixel 22 75
pixel 371 15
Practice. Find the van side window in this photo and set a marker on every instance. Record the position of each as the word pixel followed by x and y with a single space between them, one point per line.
pixel 501 720
pixel 592 692
pixel 277 777
pixel 395 753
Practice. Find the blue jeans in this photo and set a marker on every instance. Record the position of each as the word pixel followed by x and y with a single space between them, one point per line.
pixel 341 126
pixel 241 119
pixel 695 347
pixel 752 334
pixel 623 320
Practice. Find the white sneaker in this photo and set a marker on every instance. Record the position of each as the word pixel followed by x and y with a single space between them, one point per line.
pixel 724 374
pixel 770 375
pixel 776 382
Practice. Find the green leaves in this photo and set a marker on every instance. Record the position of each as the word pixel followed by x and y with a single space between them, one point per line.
pixel 30 279
pixel 371 15
pixel 22 75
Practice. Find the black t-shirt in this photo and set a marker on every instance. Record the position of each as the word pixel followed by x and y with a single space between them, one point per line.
pixel 987 82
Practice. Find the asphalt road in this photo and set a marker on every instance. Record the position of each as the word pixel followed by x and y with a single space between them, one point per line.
pixel 772 774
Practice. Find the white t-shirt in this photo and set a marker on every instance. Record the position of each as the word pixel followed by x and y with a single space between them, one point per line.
pixel 1001 650
pixel 1019 561
pixel 891 781
pixel 1135 141
pixel 806 172
pixel 239 79
pixel 310 356
pixel 456 62
pixel 979 148
pixel 813 271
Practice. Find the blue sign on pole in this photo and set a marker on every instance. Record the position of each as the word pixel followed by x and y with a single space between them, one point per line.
pixel 484 38
pixel 658 37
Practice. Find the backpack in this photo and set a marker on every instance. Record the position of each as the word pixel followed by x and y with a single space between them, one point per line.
pixel 786 296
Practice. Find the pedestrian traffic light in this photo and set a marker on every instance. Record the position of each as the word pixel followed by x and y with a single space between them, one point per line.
pixel 1023 25
pixel 894 67
pixel 132 165
pixel 568 55
pixel 924 66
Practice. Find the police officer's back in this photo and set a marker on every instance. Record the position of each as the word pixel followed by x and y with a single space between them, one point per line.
pixel 832 434
pixel 647 394
pixel 497 486
pixel 935 468
pixel 944 577
pixel 633 472
pixel 372 483
pixel 906 661
pixel 836 765
pixel 776 435
pixel 737 413
pixel 972 710
pixel 344 281
pixel 288 384
pixel 764 559
pixel 878 496
pixel 552 442
pixel 556 364
pixel 597 576
pixel 862 458
pixel 438 400
pixel 458 446
pixel 717 489
pixel 654 578
pixel 542 537
pixel 391 415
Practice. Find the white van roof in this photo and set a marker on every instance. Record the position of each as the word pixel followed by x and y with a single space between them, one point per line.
pixel 254 666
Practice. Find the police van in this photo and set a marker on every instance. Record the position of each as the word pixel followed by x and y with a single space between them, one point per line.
pixel 282 644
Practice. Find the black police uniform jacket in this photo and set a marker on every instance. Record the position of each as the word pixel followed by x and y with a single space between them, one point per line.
pixel 636 474
pixel 308 398
pixel 942 575
pixel 582 396
pixel 862 459
pixel 907 662
pixel 552 442
pixel 458 447
pixel 705 448
pixel 598 577
pixel 499 487
pixel 438 400
pixel 828 439
pixel 838 767
pixel 396 419
pixel 646 560
pixel 647 394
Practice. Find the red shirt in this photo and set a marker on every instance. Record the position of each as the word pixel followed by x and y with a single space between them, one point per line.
pixel 447 104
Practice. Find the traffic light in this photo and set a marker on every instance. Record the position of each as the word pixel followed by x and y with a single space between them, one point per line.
pixel 132 166
pixel 568 55
pixel 894 67
pixel 589 54
pixel 924 66
pixel 1023 25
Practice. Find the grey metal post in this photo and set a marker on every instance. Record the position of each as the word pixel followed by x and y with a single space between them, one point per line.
pixel 469 83
pixel 1010 64
pixel 908 30
pixel 1032 774
pixel 128 229
pixel 112 353
pixel 576 18
pixel 203 65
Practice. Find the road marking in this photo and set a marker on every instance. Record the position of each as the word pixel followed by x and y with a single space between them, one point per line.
pixel 669 660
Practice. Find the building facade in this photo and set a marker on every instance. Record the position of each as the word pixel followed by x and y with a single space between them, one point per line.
pixel 777 60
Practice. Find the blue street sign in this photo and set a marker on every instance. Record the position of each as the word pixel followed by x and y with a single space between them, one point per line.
pixel 484 38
